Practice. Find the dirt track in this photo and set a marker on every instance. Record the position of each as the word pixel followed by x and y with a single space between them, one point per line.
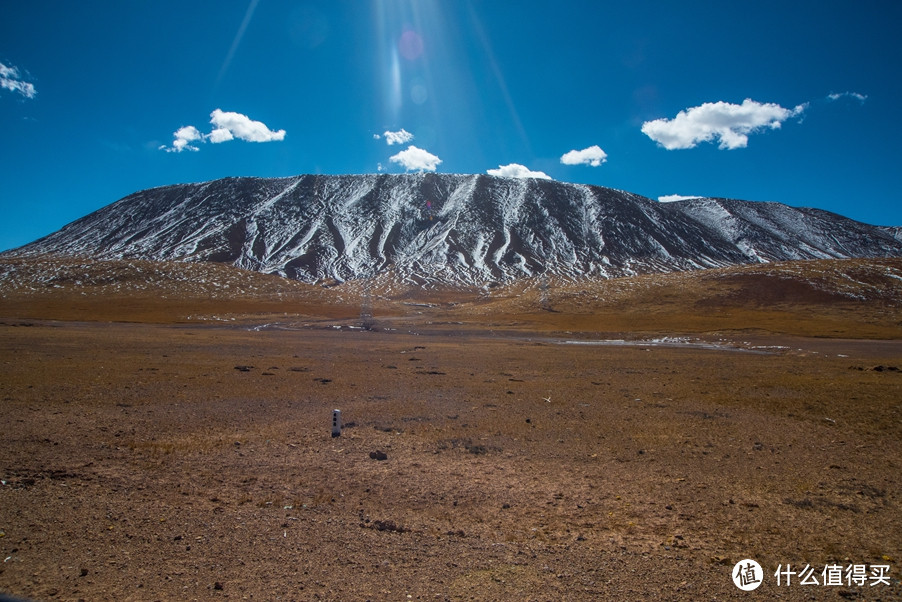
pixel 163 461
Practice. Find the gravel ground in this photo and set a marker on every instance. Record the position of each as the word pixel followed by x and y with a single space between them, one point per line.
pixel 195 462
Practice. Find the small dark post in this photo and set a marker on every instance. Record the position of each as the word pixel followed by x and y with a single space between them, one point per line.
pixel 336 423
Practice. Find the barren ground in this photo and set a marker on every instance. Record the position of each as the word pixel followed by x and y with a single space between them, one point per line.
pixel 166 447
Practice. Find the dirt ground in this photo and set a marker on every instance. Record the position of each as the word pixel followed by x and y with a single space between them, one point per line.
pixel 527 456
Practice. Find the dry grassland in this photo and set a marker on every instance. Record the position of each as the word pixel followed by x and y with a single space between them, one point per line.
pixel 169 441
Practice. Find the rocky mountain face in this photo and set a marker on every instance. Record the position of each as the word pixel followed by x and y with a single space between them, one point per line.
pixel 456 229
pixel 894 231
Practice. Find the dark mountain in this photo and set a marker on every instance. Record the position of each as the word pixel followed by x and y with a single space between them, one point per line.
pixel 894 231
pixel 468 229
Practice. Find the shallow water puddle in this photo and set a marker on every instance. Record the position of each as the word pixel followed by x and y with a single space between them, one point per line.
pixel 679 342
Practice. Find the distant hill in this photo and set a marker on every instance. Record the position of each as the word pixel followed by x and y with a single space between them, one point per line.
pixel 452 229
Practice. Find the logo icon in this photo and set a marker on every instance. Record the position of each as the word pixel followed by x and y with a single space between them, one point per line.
pixel 747 575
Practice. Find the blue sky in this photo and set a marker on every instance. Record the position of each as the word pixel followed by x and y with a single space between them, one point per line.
pixel 780 101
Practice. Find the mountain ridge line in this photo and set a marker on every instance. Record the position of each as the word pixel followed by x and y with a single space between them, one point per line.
pixel 453 229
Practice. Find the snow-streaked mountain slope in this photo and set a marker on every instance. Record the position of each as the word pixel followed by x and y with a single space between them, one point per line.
pixel 894 231
pixel 467 229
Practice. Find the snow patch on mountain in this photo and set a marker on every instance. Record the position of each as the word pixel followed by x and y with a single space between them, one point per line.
pixel 452 229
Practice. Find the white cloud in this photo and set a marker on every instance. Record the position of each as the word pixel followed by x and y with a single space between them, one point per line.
pixel 593 156
pixel 515 170
pixel 671 198
pixel 402 136
pixel 220 135
pixel 184 136
pixel 856 95
pixel 242 127
pixel 730 123
pixel 228 127
pixel 12 81
pixel 416 159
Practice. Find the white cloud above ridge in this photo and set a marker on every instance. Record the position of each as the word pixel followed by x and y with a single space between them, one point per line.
pixel 242 127
pixel 856 95
pixel 592 156
pixel 515 170
pixel 220 135
pixel 184 136
pixel 416 159
pixel 673 198
pixel 402 136
pixel 728 123
pixel 11 80
pixel 228 126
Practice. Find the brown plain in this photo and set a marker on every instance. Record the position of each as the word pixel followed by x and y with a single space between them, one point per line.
pixel 166 434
